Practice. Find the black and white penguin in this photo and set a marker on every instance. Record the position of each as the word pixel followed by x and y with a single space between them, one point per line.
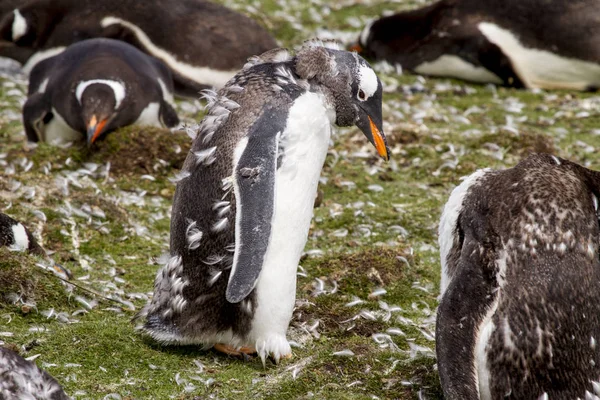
pixel 519 316
pixel 95 87
pixel 520 43
pixel 204 44
pixel 17 237
pixel 244 202
pixel 23 380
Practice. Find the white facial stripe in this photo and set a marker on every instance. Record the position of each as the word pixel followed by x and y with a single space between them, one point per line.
pixel 19 26
pixel 21 241
pixel 197 74
pixel 367 80
pixel 117 87
pixel 364 35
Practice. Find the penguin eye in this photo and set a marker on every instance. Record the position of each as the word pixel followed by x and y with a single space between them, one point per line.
pixel 361 95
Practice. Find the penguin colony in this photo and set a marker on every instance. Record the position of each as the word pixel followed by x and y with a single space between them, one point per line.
pixel 520 266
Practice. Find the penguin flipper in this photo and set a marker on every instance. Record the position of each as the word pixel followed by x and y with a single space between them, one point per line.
pixel 36 112
pixel 254 187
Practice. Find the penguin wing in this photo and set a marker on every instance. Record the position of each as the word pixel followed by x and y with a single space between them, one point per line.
pixel 36 112
pixel 254 188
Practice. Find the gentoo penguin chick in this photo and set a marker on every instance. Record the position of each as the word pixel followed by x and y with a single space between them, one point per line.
pixel 17 237
pixel 21 379
pixel 244 202
pixel 95 87
pixel 520 43
pixel 519 315
pixel 204 44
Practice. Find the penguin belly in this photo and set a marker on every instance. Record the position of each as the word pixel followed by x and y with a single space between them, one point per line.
pixel 540 68
pixel 303 146
pixel 58 131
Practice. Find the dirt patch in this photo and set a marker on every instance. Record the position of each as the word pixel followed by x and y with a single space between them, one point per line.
pixel 521 145
pixel 140 151
pixel 363 269
pixel 354 274
pixel 22 284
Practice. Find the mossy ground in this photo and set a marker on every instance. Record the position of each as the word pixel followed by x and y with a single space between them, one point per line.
pixel 368 286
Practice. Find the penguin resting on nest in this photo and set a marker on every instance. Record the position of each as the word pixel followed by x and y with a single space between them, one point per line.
pixel 202 43
pixel 16 237
pixel 243 205
pixel 519 315
pixel 21 379
pixel 93 88
pixel 521 43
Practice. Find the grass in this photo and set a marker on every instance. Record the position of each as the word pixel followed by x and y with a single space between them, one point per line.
pixel 106 218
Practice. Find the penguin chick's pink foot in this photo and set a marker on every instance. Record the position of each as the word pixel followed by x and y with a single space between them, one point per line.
pixel 232 351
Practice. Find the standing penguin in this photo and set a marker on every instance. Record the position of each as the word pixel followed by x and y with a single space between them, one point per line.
pixel 521 43
pixel 95 87
pixel 202 43
pixel 23 380
pixel 519 316
pixel 18 238
pixel 244 202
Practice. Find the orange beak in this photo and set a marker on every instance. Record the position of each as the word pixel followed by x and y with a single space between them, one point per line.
pixel 94 129
pixel 356 47
pixel 379 139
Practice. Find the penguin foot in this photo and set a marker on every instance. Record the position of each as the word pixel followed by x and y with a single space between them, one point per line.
pixel 275 347
pixel 232 351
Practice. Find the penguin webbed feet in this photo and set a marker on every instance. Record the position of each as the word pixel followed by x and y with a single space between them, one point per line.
pixel 249 353
pixel 245 353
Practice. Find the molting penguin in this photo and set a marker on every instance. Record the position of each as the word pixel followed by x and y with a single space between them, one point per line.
pixel 244 202
pixel 18 238
pixel 519 315
pixel 520 43
pixel 204 44
pixel 21 379
pixel 94 87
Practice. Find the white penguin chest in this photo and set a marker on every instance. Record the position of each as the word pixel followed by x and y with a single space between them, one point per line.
pixel 302 148
pixel 303 145
pixel 58 131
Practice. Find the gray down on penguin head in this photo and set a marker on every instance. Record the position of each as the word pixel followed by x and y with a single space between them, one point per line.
pixel 345 78
pixel 355 88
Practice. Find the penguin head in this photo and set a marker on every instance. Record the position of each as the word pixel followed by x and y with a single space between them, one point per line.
pixel 102 103
pixel 353 85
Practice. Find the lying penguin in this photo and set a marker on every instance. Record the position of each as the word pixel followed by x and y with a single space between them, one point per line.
pixel 17 237
pixel 93 88
pixel 21 379
pixel 204 44
pixel 520 43
pixel 244 202
pixel 519 316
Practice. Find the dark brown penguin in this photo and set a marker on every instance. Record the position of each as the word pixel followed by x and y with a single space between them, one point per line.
pixel 551 44
pixel 203 44
pixel 519 316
